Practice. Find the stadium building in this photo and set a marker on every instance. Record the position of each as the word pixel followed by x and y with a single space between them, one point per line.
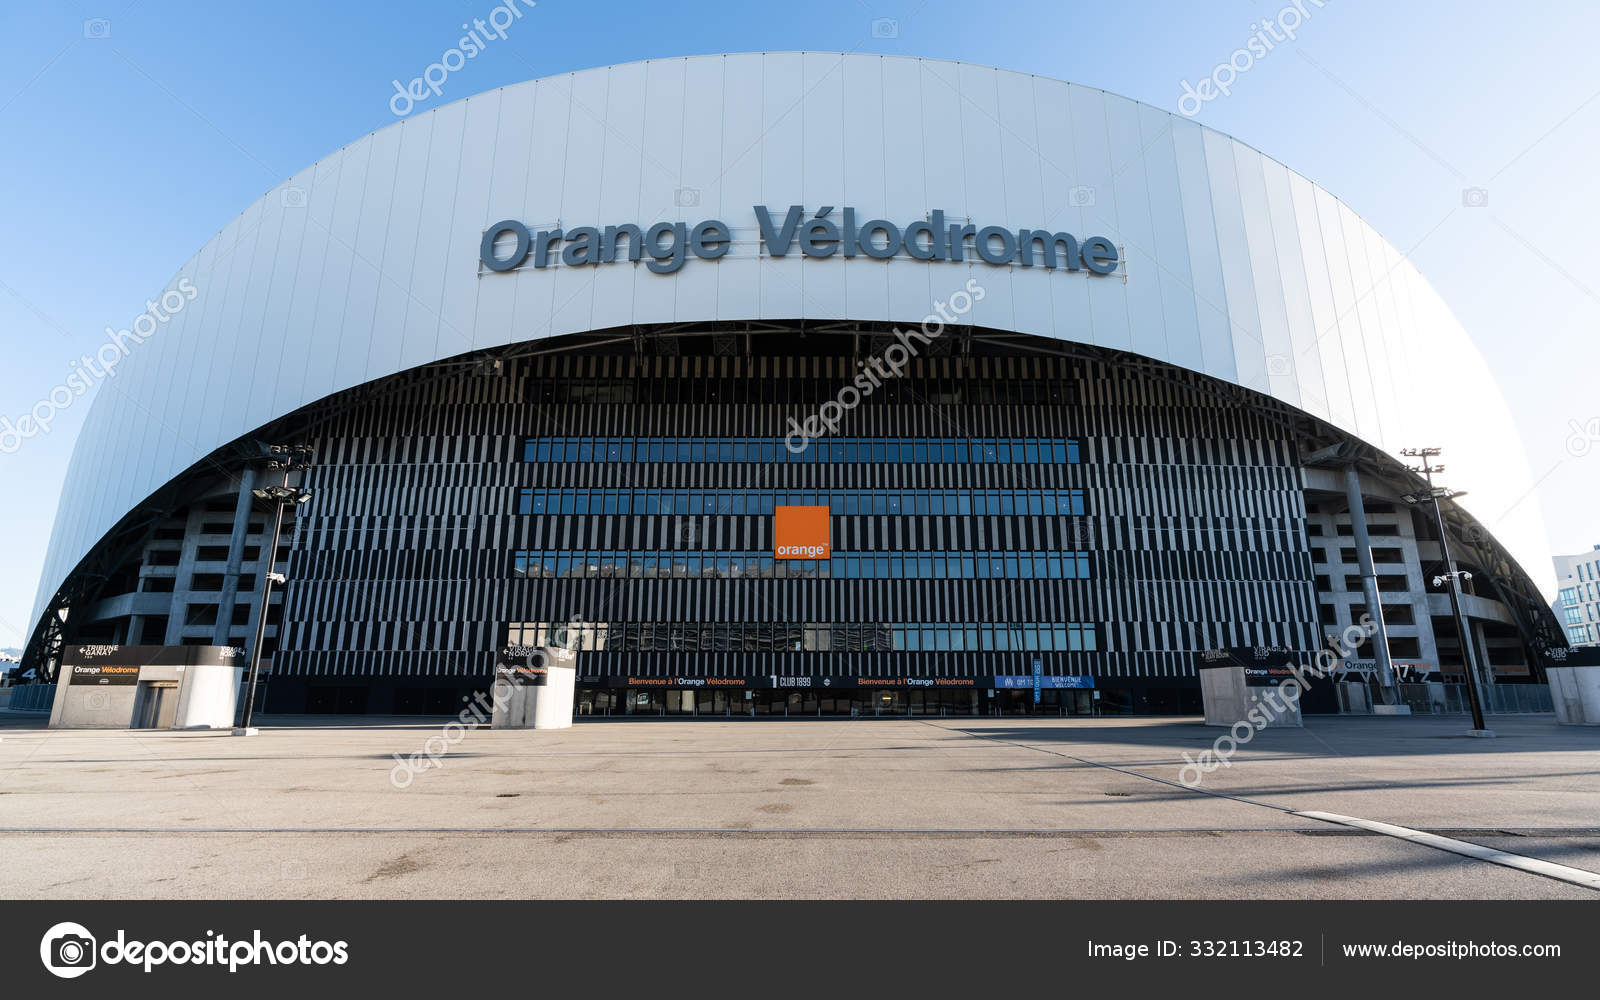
pixel 1085 389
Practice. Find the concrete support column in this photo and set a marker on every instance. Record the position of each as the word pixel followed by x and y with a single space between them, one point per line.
pixel 1486 674
pixel 183 578
pixel 1369 582
pixel 230 576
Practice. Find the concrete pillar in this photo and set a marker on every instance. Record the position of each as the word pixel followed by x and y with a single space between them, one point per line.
pixel 182 577
pixel 1369 581
pixel 1481 641
pixel 230 576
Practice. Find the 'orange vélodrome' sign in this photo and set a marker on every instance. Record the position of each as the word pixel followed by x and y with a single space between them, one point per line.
pixel 801 533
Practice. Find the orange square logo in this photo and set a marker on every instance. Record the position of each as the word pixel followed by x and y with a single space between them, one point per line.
pixel 801 533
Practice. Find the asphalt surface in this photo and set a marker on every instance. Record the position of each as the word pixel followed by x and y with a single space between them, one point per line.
pixel 904 808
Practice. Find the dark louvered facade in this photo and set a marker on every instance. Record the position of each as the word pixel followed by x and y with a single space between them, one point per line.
pixel 993 517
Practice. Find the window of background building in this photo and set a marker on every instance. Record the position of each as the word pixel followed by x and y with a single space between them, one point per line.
pixel 1404 647
pixel 1393 614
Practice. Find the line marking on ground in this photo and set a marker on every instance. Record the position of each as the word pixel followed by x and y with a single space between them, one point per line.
pixel 1110 767
pixel 1533 866
pixel 1549 869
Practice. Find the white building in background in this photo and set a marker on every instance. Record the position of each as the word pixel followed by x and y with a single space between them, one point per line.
pixel 1578 604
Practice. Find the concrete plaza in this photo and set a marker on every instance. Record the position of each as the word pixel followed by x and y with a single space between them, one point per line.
pixel 904 808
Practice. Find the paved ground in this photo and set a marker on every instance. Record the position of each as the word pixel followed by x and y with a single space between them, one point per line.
pixel 774 808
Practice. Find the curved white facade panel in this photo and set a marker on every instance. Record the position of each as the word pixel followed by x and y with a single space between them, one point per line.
pixel 367 263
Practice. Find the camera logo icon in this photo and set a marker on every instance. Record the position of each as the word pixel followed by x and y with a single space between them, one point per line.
pixel 885 27
pixel 686 197
pixel 67 950
pixel 293 197
pixel 1474 197
pixel 96 27
pixel 1080 196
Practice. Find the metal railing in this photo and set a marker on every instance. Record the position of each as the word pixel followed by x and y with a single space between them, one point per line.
pixel 1436 698
pixel 32 698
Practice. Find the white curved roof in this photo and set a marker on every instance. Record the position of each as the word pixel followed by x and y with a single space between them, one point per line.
pixel 366 263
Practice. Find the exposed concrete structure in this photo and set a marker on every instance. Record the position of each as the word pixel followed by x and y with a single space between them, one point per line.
pixel 538 696
pixel 1229 699
pixel 1576 693
pixel 148 687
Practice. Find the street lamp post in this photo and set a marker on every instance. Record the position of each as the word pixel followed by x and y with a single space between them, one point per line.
pixel 287 458
pixel 1452 576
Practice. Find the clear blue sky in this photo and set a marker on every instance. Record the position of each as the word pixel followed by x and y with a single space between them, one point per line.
pixel 126 148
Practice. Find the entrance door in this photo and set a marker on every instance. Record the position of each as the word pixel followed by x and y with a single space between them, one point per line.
pixel 158 708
